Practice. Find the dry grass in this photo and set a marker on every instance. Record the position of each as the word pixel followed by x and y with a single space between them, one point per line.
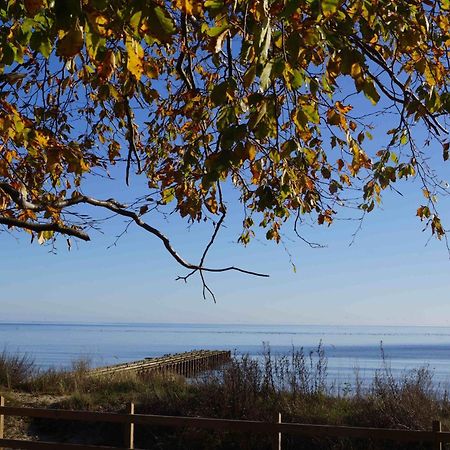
pixel 15 369
pixel 295 385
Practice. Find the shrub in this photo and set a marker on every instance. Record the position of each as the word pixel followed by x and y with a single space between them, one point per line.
pixel 15 369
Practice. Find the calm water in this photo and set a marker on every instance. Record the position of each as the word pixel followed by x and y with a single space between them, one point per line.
pixel 346 347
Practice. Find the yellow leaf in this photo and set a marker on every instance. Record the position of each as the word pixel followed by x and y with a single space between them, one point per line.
pixel 250 151
pixel 135 55
pixel 41 138
pixel 430 75
pixel 99 23
pixel 189 7
pixel 344 109
pixel 211 204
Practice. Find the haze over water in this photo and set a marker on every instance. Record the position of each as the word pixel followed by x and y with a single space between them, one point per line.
pixel 346 347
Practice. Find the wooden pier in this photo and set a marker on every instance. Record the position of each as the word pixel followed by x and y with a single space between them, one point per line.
pixel 187 364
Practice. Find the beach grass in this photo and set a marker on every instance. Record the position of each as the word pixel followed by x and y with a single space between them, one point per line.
pixel 296 385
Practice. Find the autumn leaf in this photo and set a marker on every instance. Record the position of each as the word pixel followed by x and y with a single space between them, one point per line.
pixel 135 56
pixel 106 68
pixel 211 204
pixel 445 150
pixel 32 7
pixel 189 7
pixel 71 43
pixel 279 118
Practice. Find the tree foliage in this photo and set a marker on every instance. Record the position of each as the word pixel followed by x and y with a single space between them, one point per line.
pixel 279 99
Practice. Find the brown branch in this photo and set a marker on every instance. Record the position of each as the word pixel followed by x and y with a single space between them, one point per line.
pixel 181 71
pixel 188 79
pixel 131 137
pixel 229 56
pixel 216 228
pixel 38 227
pixel 377 58
pixel 121 210
pixel 206 288
pixel 18 198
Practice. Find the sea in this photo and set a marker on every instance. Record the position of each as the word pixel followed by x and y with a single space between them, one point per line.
pixel 351 351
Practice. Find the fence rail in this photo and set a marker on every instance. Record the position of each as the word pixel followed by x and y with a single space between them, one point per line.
pixel 435 436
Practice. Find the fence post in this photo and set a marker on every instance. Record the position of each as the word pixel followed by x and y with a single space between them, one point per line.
pixel 129 428
pixel 2 420
pixel 437 426
pixel 276 443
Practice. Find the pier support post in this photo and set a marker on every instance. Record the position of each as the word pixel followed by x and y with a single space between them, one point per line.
pixel 2 420
pixel 437 426
pixel 276 442
pixel 129 428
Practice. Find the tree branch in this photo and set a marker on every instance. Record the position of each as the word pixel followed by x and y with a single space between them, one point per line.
pixel 119 209
pixel 131 137
pixel 113 206
pixel 377 58
pixel 18 198
pixel 38 227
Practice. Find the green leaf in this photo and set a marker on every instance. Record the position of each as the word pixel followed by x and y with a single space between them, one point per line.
pixel 311 112
pixel 370 92
pixel 249 76
pixel 257 115
pixel 214 4
pixel 265 38
pixel 297 79
pixel 94 43
pixel 40 42
pixel 218 94
pixel 329 6
pixel 168 195
pixel 264 79
pixel 162 26
pixel 66 13
pixel 99 5
pixel 9 54
pixel 217 31
pixel 44 236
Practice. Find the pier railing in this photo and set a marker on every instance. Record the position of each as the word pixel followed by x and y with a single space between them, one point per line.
pixel 435 437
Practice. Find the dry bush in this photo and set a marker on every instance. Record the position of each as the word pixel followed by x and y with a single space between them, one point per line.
pixel 15 369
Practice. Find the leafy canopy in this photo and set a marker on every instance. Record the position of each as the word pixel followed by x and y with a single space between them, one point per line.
pixel 276 98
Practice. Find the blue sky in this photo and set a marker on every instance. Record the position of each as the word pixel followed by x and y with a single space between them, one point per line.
pixel 390 275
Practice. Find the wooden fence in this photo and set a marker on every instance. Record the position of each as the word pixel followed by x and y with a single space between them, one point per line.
pixel 187 364
pixel 434 437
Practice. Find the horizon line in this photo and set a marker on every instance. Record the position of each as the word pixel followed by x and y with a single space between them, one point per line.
pixel 92 323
